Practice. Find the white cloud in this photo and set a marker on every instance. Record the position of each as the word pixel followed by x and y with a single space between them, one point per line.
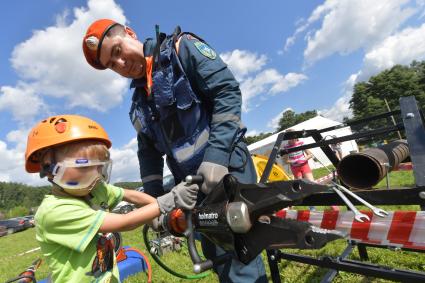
pixel 12 167
pixel 242 62
pixel 268 81
pixel 17 99
pixel 339 110
pixel 305 24
pixel 284 83
pixel 349 25
pixel 401 48
pixel 52 63
pixel 125 165
pixel 374 27
pixel 256 80
pixel 274 122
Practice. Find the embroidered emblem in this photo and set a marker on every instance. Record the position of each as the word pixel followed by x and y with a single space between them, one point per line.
pixel 205 50
pixel 92 42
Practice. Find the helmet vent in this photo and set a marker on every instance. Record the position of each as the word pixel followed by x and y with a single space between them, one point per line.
pixel 61 120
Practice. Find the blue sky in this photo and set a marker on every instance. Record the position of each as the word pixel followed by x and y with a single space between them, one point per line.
pixel 302 55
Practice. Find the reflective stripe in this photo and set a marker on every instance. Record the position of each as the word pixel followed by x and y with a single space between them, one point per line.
pixel 187 152
pixel 151 178
pixel 135 120
pixel 219 118
pixel 137 126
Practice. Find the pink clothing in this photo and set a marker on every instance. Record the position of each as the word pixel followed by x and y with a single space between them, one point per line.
pixel 297 158
pixel 300 171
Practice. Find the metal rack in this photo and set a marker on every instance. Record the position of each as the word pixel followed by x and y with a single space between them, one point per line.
pixel 413 126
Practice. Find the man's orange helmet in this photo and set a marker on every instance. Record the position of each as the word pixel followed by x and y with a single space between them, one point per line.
pixel 58 130
pixel 92 41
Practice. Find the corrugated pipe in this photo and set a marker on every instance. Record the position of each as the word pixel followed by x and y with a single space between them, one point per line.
pixel 365 169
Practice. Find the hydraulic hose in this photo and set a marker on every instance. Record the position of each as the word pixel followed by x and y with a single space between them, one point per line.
pixel 163 265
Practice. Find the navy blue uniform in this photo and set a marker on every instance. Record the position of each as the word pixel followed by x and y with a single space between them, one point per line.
pixel 218 94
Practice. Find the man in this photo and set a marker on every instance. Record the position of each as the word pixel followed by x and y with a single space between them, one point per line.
pixel 186 105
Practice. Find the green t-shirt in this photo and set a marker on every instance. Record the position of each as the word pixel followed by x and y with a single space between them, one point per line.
pixel 67 231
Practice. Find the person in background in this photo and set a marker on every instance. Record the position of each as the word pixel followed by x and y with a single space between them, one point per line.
pixel 336 148
pixel 298 161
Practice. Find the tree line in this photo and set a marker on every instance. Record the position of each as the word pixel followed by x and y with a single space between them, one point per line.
pixel 18 199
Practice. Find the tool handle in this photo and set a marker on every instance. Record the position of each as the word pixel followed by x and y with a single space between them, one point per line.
pixel 194 179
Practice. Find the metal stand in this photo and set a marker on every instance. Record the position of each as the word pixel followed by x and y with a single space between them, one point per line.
pixel 413 124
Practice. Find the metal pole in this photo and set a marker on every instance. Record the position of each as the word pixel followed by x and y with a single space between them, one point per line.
pixel 392 117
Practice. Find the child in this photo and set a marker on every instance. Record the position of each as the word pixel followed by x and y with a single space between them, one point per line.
pixel 298 161
pixel 73 224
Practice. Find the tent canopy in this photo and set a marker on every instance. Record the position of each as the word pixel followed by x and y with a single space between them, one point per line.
pixel 265 146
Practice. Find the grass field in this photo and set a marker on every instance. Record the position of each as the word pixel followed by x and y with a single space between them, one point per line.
pixel 12 263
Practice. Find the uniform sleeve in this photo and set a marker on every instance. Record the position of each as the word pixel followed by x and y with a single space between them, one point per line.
pixel 209 75
pixel 151 166
pixel 72 225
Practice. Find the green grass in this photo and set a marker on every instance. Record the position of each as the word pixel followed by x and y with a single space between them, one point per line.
pixel 11 264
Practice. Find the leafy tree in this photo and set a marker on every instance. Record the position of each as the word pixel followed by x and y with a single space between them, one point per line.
pixel 290 118
pixel 252 139
pixel 17 211
pixel 15 194
pixel 369 97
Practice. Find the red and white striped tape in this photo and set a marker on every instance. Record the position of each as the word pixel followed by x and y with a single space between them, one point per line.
pixel 399 229
pixel 325 179
pixel 404 167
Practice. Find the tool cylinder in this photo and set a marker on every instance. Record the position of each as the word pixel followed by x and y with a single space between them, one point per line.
pixel 365 169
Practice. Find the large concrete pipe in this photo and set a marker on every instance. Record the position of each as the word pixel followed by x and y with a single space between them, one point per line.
pixel 365 169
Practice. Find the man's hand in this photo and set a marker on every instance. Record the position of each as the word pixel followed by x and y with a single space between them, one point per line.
pixel 212 173
pixel 182 196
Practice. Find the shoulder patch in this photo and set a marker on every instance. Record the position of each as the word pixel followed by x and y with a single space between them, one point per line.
pixel 205 50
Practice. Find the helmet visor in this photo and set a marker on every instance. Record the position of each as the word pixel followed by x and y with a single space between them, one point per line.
pixel 80 173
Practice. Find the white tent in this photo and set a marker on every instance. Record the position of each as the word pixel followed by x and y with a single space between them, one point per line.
pixel 265 146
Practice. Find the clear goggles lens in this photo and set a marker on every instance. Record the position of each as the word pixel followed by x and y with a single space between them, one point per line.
pixel 80 173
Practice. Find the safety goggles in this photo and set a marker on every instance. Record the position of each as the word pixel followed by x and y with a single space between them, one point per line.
pixel 80 173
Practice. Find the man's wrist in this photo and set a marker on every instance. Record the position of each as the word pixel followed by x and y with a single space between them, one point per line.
pixel 166 202
pixel 217 156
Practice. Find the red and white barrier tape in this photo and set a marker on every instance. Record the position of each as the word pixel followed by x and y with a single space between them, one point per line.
pixel 404 167
pixel 399 229
pixel 325 179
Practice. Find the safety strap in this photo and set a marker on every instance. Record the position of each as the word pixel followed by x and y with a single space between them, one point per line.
pixel 160 37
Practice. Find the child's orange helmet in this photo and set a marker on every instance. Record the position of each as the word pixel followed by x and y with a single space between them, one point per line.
pixel 58 130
